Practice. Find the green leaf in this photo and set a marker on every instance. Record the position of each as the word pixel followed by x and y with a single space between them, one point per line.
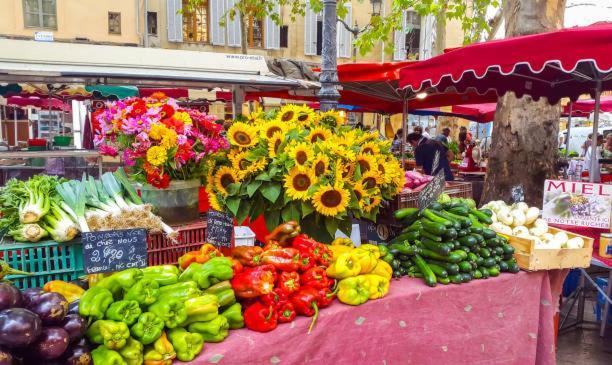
pixel 243 211
pixel 271 191
pixel 263 177
pixel 332 225
pixel 307 208
pixel 346 226
pixel 233 188
pixel 290 212
pixel 272 219
pixel 233 203
pixel 252 187
pixel 258 207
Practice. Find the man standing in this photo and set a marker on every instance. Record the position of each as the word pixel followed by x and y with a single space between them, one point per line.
pixel 443 137
pixel 589 155
pixel 425 151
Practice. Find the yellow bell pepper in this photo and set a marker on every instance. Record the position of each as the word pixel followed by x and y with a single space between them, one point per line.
pixel 367 259
pixel 338 250
pixel 382 269
pixel 354 290
pixel 345 266
pixel 343 242
pixel 378 286
pixel 372 248
pixel 69 291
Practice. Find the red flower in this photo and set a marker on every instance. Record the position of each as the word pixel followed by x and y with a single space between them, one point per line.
pixel 184 153
pixel 139 107
pixel 174 124
pixel 167 111
pixel 159 181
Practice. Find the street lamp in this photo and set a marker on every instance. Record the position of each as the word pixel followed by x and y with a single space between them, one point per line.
pixel 355 30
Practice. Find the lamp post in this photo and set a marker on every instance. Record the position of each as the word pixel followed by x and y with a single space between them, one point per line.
pixel 355 30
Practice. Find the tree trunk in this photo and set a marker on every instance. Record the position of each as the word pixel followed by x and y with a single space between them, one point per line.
pixel 524 140
pixel 244 36
pixel 441 30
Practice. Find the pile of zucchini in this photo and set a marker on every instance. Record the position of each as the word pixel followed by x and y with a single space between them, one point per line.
pixel 449 243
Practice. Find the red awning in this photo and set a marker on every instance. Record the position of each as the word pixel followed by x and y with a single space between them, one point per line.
pixel 558 64
pixel 34 102
pixel 587 106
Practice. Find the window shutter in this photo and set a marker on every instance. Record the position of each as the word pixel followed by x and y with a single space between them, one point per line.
pixel 175 20
pixel 272 31
pixel 234 34
pixel 343 36
pixel 310 31
pixel 399 41
pixel 217 32
pixel 428 25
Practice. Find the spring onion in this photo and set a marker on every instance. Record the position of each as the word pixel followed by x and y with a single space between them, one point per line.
pixel 59 224
pixel 30 232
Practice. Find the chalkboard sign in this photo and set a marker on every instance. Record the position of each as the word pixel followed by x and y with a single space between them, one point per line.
pixel 518 194
pixel 431 191
pixel 436 163
pixel 219 228
pixel 108 251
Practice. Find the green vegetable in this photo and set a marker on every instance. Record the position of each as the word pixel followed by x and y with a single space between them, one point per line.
pixel 212 331
pixel 493 271
pixel 488 233
pixel 436 218
pixel 181 291
pixel 489 262
pixel 59 224
pixel 477 274
pixel 456 278
pixel 465 266
pixel 405 213
pixel 145 292
pixel 468 241
pixel 428 276
pixel 404 249
pixel 213 271
pixel 482 217
pixel 448 266
pixel 458 221
pixel 201 309
pixel 437 247
pixel 74 197
pixel 443 281
pixel 438 270
pixel 406 236
pixel 416 226
pixel 503 266
pixel 170 310
pixel 472 258
pixel 484 253
pixel 113 335
pixel 450 234
pixel 126 311
pixel 432 227
pixel 106 356
pixel 475 230
pixel 186 344
pixel 132 352
pixel 147 328
pixel 94 302
pixel 31 232
pixel 435 206
pixel 453 257
pixel 234 317
pixel 459 210
pixel 224 292
pixel 426 235
pixel 488 212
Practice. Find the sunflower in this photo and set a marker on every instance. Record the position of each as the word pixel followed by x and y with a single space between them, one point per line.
pixel 366 137
pixel 297 183
pixel 374 202
pixel 242 135
pixel 361 194
pixel 344 171
pixel 213 199
pixel 371 179
pixel 256 114
pixel 305 115
pixel 269 129
pixel 338 150
pixel 366 163
pixel 257 166
pixel 288 113
pixel 320 164
pixel 318 134
pixel 332 117
pixel 301 153
pixel 239 160
pixel 370 148
pixel 223 178
pixel 274 144
pixel 331 200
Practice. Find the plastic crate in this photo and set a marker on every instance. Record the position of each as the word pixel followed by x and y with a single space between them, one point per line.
pixel 455 189
pixel 162 251
pixel 47 260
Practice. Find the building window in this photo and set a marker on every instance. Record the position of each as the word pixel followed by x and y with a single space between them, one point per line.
pixel 255 33
pixel 152 22
pixel 319 34
pixel 40 14
pixel 195 21
pixel 413 34
pixel 284 36
pixel 114 23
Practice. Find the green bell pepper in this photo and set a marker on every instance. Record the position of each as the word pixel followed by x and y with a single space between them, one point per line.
pixel 109 333
pixel 224 293
pixel 132 352
pixel 94 302
pixel 180 291
pixel 120 280
pixel 103 355
pixel 171 311
pixel 233 314
pixel 163 274
pixel 212 331
pixel 145 292
pixel 187 345
pixel 213 271
pixel 148 328
pixel 172 269
pixel 126 311
pixel 160 353
pixel 201 309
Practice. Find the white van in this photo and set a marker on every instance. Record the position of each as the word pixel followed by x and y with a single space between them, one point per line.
pixel 578 136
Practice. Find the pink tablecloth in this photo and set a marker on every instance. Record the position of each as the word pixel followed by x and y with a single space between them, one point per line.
pixel 505 320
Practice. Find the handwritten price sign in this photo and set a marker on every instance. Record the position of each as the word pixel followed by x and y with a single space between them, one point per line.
pixel 109 251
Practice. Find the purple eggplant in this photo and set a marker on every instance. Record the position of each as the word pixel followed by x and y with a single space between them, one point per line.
pixel 29 295
pixel 10 296
pixel 6 357
pixel 76 326
pixel 19 327
pixel 77 355
pixel 51 344
pixel 50 307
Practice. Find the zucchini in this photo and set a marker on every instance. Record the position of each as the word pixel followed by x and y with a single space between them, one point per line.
pixel 450 234
pixel 475 221
pixel 456 278
pixel 507 249
pixel 467 277
pixel 404 213
pixel 396 264
pixel 484 272
pixel 443 281
pixel 499 251
pixel 403 258
pixel 456 223
pixel 460 210
pixel 453 257
pixel 429 236
pixel 479 261
pixel 435 206
pixel 465 222
pixel 489 262
pixel 428 276
pixel 407 264
pixel 432 227
pixel 432 216
pixel 472 258
pixel 448 266
pixel 488 233
pixel 383 249
pixel 483 218
pixel 512 266
pixel 456 244
pixel 413 227
pixel 469 241
pixel 479 239
pixel 493 242
pixel 477 274
pixel 484 252
pixel 493 271
pixel 465 249
pixel 407 236
pixel 403 249
pixel 488 212
pixel 503 266
pixel 438 270
pixel 460 253
pixel 465 266
pixel 475 230
pixel 440 248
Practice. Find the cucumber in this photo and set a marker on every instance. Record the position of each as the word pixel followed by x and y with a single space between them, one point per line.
pixel 439 248
pixel 437 218
pixel 484 252
pixel 488 233
pixel 465 266
pixel 489 262
pixel 479 239
pixel 465 222
pixel 472 258
pixel 488 212
pixel 483 218
pixel 430 236
pixel 484 272
pixel 438 270
pixel 450 234
pixel 407 236
pixel 456 278
pixel 507 249
pixel 477 274
pixel 432 227
pixel 469 241
pixel 493 271
pixel 428 276
pixel 405 213
pixel 503 266
pixel 403 249
pixel 453 257
pixel 448 266
pixel 413 227
pixel 443 281
pixel 435 206
pixel 466 277
pixel 460 210
pixel 475 230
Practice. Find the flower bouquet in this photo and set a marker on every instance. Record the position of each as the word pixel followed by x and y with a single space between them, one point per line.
pixel 295 164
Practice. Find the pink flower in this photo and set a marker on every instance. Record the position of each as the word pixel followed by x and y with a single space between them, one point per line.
pixel 128 158
pixel 107 150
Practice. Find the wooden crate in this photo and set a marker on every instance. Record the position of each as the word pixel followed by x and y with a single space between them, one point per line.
pixel 528 258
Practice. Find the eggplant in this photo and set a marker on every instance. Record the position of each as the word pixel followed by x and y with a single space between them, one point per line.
pixel 10 296
pixel 19 327
pixel 73 307
pixel 29 295
pixel 76 326
pixel 77 355
pixel 6 357
pixel 51 344
pixel 50 307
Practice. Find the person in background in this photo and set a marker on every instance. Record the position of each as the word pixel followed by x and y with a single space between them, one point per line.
pixel 585 146
pixel 607 150
pixel 588 156
pixel 424 153
pixel 417 129
pixel 462 138
pixel 396 145
pixel 426 133
pixel 444 136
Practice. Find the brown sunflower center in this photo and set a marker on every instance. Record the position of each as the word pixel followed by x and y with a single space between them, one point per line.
pixel 346 172
pixel 319 168
pixel 227 179
pixel 368 150
pixel 301 182
pixel 287 116
pixel 364 165
pixel 316 137
pixel 331 198
pixel 242 138
pixel 302 117
pixel 358 194
pixel 277 144
pixel 381 168
pixel 301 157
pixel 369 182
pixel 244 163
pixel 272 130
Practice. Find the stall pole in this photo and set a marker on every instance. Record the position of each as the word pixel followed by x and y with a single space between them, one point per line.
pixel 2 115
pixel 328 94
pixel 404 127
pixel 594 162
pixel 237 100
pixel 569 126
pixel 15 124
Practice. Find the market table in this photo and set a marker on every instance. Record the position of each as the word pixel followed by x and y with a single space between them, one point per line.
pixel 503 320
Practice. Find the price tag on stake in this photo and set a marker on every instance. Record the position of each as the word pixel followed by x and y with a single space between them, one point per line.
pixel 108 251
pixel 219 228
pixel 431 191
pixel 518 194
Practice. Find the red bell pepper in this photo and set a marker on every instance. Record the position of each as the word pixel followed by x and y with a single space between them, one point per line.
pixel 260 317
pixel 316 277
pixel 326 297
pixel 286 312
pixel 288 282
pixel 247 255
pixel 253 282
pixel 275 298
pixel 323 255
pixel 306 261
pixel 284 233
pixel 305 302
pixel 237 266
pixel 272 245
pixel 283 259
pixel 304 243
pixel 205 253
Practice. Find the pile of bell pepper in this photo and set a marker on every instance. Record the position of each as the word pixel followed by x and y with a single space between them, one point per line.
pixel 361 272
pixel 285 278
pixel 154 315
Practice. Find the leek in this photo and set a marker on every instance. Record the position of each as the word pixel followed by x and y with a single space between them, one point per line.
pixel 59 224
pixel 31 232
pixel 113 189
pixel 74 195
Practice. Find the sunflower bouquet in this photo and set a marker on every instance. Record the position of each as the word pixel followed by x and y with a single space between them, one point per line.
pixel 295 164
pixel 158 140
